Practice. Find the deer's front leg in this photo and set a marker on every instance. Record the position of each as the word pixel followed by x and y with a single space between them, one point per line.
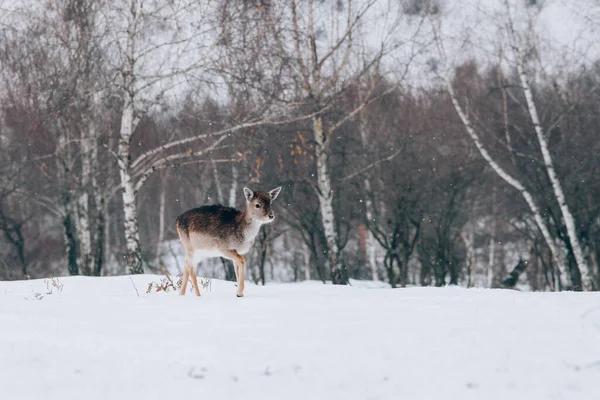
pixel 237 272
pixel 240 264
pixel 242 268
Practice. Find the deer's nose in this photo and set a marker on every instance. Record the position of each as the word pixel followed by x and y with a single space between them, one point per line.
pixel 271 216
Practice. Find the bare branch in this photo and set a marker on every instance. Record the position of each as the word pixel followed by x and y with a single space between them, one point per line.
pixel 226 131
pixel 372 165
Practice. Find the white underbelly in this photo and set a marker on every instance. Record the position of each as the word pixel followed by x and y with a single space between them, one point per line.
pixel 203 254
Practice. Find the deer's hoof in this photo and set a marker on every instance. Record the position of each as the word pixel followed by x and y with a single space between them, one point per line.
pixel 239 295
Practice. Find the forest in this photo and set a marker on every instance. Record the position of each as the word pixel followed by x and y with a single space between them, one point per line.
pixel 412 149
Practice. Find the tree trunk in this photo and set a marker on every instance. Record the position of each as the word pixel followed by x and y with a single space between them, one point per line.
pixel 13 231
pixel 468 239
pixel 388 262
pixel 63 162
pixel 100 237
pixel 85 259
pixel 264 247
pixel 128 123
pixel 491 255
pixel 220 198
pixel 70 243
pixel 132 238
pixel 161 226
pixel 325 195
pixel 229 270
pixel 84 234
pixel 99 203
pixel 370 242
pixel 596 264
pixel 306 254
pixel 233 194
pixel 20 245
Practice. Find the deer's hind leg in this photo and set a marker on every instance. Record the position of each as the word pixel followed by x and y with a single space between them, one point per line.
pixel 187 270
pixel 194 281
pixel 184 281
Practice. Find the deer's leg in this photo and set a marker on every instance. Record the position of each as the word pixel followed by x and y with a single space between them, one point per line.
pixel 241 276
pixel 239 262
pixel 194 281
pixel 185 241
pixel 186 276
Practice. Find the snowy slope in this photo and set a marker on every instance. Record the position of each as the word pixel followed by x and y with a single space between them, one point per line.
pixel 99 340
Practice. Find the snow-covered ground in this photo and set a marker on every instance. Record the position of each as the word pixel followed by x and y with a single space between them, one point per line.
pixel 99 340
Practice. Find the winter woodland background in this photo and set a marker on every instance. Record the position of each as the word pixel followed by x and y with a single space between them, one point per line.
pixel 417 142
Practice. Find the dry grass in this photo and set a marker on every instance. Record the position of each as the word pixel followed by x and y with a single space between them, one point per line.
pixel 168 284
pixel 53 286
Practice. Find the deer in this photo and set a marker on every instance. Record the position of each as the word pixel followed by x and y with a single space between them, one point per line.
pixel 219 231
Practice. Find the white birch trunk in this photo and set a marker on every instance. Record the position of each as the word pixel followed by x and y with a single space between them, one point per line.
pixel 371 249
pixel 233 194
pixel 325 196
pixel 370 244
pixel 513 182
pixel 84 234
pixel 161 225
pixel 67 203
pixel 467 236
pixel 132 239
pixel 586 276
pixel 108 257
pixel 128 123
pixel 220 197
pixel 306 253
pixel 492 247
pixel 491 255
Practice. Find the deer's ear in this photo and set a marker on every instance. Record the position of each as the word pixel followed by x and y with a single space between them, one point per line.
pixel 274 193
pixel 248 193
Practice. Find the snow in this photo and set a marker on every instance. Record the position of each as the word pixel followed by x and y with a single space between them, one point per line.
pixel 98 339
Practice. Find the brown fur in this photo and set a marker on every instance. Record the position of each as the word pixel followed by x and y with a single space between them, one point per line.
pixel 224 231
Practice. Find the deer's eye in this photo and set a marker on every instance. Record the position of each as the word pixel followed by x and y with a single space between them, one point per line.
pixel 257 206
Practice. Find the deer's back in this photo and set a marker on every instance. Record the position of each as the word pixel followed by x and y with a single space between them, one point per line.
pixel 215 221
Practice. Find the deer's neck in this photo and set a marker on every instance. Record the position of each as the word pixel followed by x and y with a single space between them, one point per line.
pixel 250 225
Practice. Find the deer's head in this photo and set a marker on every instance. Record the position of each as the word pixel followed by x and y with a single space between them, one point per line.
pixel 258 204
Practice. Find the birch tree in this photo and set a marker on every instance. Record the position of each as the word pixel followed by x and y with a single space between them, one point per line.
pixel 569 221
pixel 502 173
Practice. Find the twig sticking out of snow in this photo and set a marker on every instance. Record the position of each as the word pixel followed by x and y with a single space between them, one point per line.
pixel 136 291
